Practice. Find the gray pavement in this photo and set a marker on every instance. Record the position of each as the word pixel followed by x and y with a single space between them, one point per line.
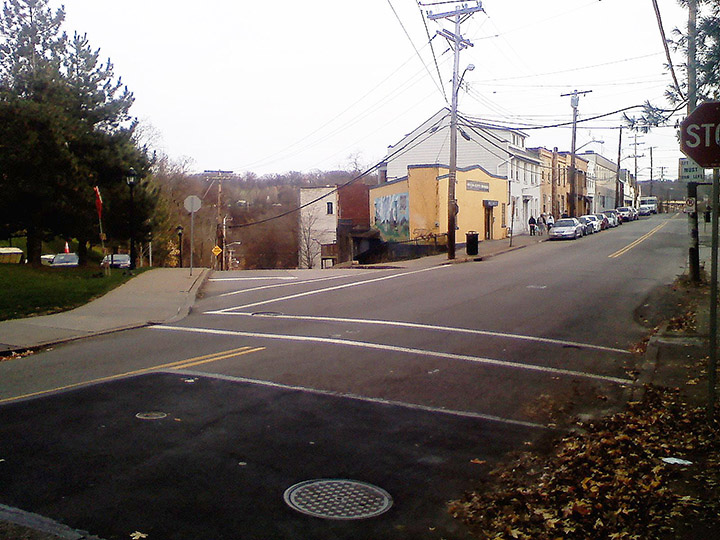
pixel 161 295
pixel 157 296
pixel 166 295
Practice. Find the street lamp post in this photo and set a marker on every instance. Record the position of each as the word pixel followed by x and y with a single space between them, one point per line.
pixel 131 181
pixel 180 230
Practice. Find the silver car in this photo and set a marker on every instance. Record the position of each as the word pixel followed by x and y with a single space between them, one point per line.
pixel 566 228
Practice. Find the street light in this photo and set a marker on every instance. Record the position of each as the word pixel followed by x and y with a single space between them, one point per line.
pixel 589 142
pixel 180 230
pixel 131 180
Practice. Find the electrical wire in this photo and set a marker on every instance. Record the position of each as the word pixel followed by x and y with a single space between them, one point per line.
pixel 574 68
pixel 429 131
pixel 442 90
pixel 432 49
pixel 667 49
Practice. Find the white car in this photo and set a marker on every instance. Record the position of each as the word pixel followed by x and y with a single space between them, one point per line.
pixel 118 260
pixel 65 259
pixel 597 226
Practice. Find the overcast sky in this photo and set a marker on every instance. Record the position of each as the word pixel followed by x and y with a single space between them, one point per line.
pixel 282 85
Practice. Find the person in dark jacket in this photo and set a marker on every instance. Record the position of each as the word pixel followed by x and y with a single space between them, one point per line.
pixel 532 224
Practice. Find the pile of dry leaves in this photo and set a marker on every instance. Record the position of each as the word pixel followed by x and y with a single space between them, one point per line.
pixel 611 481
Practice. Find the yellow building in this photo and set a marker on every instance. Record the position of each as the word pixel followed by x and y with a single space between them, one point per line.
pixel 555 188
pixel 416 206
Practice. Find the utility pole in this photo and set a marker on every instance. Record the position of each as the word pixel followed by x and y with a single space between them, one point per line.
pixel 458 43
pixel 219 228
pixel 651 170
pixel 694 250
pixel 574 102
pixel 618 183
pixel 635 156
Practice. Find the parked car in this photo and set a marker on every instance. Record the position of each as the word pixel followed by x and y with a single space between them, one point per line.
pixel 118 260
pixel 595 222
pixel 604 223
pixel 65 259
pixel 613 217
pixel 624 213
pixel 566 228
pixel 588 227
pixel 645 210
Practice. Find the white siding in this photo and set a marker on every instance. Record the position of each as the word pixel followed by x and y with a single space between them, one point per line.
pixel 316 225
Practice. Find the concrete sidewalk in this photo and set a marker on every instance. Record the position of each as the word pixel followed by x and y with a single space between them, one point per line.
pixel 161 295
pixel 486 249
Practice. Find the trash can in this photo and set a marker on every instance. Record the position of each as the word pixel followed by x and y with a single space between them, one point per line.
pixel 471 242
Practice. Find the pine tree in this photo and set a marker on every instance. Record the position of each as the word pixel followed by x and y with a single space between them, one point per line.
pixel 66 127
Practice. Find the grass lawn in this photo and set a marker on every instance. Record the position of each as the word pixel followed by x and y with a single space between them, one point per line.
pixel 27 291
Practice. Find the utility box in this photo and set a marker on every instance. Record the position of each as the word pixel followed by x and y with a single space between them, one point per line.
pixel 471 242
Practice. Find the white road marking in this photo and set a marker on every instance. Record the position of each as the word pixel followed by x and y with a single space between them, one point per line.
pixel 405 350
pixel 259 278
pixel 319 291
pixel 263 287
pixel 356 397
pixel 451 329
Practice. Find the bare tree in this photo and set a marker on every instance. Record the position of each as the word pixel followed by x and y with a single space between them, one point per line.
pixel 309 246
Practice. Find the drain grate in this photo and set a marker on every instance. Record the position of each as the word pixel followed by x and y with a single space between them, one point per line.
pixel 338 499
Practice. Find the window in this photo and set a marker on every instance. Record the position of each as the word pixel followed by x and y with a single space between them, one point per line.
pixel 329 208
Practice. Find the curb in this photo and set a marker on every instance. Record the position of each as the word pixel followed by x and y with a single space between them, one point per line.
pixel 182 312
pixel 42 524
pixel 190 297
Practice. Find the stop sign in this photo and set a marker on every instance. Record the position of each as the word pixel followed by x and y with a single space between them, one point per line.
pixel 700 135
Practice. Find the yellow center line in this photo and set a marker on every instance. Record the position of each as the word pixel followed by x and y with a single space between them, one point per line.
pixel 233 355
pixel 644 237
pixel 188 362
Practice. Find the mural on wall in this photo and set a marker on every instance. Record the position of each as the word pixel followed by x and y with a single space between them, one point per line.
pixel 392 217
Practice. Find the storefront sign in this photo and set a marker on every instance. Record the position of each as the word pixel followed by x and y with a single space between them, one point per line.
pixel 474 185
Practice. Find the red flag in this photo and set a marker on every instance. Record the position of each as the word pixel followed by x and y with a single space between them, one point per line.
pixel 98 202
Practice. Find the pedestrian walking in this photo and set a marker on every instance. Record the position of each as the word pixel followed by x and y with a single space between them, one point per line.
pixel 550 221
pixel 532 224
pixel 541 224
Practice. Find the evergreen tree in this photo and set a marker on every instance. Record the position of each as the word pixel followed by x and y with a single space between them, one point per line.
pixel 66 127
pixel 707 41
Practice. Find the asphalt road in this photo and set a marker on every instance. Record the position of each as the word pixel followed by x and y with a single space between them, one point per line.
pixel 405 378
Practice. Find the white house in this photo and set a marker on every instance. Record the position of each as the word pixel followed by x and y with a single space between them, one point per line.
pixel 497 149
pixel 601 181
pixel 317 224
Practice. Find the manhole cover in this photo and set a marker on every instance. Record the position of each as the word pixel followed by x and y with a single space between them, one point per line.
pixel 152 415
pixel 338 499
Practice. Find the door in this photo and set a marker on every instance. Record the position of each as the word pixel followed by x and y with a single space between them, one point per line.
pixel 489 223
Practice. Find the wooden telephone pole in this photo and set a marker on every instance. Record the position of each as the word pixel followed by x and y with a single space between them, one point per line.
pixel 458 43
pixel 574 102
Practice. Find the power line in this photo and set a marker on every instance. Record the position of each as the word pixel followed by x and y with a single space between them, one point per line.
pixel 574 69
pixel 442 90
pixel 432 49
pixel 400 151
